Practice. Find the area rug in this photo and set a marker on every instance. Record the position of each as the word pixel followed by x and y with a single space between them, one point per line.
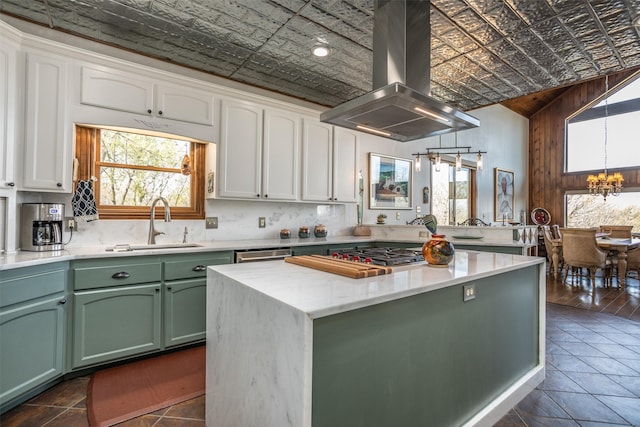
pixel 118 394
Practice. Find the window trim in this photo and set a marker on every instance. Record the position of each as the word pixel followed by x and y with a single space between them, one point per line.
pixel 86 151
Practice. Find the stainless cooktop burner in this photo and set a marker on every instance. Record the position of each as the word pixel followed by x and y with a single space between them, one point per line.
pixel 381 256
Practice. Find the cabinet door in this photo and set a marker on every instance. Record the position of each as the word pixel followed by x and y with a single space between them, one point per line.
pixel 114 323
pixel 184 104
pixel 317 155
pixel 8 110
pixel 345 164
pixel 240 150
pixel 280 156
pixel 185 311
pixel 116 90
pixel 32 343
pixel 47 151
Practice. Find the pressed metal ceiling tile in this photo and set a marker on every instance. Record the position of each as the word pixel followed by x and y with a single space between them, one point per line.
pixel 482 51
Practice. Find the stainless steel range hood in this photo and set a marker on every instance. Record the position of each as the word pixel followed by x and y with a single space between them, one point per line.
pixel 399 107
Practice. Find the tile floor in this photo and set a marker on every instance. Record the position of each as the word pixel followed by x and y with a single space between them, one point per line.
pixel 592 372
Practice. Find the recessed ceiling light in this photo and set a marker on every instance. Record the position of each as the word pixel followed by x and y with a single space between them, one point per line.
pixel 321 50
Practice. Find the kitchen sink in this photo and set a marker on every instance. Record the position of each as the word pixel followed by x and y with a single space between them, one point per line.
pixel 127 247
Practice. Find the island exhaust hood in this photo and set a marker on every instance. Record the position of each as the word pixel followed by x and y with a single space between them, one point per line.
pixel 399 106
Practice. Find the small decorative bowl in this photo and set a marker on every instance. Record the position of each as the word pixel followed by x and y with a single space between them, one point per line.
pixel 303 232
pixel 320 231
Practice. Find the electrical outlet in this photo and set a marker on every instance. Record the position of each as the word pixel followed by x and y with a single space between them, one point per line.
pixel 469 292
pixel 262 222
pixel 211 222
pixel 418 209
pixel 70 223
pixel 398 215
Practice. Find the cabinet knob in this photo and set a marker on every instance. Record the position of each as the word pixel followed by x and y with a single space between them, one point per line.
pixel 59 184
pixel 199 268
pixel 157 290
pixel 257 195
pixel 266 195
pixel 149 111
pixel 160 112
pixel 11 184
pixel 121 275
pixel 168 288
pixel 62 301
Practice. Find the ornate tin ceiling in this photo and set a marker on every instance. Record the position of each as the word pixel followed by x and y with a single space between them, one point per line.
pixel 482 51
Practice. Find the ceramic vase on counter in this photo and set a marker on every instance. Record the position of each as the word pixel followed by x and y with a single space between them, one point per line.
pixel 320 231
pixel 438 252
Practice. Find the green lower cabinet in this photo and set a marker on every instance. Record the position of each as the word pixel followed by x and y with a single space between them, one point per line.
pixel 309 250
pixel 31 346
pixel 185 311
pixel 115 323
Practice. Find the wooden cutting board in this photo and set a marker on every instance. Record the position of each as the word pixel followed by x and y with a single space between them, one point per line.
pixel 355 270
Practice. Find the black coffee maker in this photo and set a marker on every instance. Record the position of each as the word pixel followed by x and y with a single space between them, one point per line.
pixel 41 227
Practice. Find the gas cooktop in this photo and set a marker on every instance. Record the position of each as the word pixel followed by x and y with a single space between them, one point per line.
pixel 381 256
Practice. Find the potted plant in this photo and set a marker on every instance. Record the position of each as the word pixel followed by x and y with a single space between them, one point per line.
pixel 381 218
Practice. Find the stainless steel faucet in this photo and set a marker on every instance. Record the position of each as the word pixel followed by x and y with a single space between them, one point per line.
pixel 167 218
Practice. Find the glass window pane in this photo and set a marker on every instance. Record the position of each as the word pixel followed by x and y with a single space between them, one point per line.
pixel 585 210
pixel 134 187
pixel 450 194
pixel 142 150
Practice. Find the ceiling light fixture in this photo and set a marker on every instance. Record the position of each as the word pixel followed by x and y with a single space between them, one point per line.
pixel 458 162
pixel 604 184
pixel 418 164
pixel 479 164
pixel 434 154
pixel 321 50
pixel 372 130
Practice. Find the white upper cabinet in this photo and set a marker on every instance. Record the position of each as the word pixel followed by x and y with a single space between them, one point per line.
pixel 259 152
pixel 8 110
pixel 48 143
pixel 134 93
pixel 329 163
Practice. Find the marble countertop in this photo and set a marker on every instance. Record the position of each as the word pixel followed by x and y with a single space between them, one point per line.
pixel 320 294
pixel 27 259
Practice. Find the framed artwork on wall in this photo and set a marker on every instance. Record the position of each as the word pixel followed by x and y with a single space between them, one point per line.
pixel 389 182
pixel 504 194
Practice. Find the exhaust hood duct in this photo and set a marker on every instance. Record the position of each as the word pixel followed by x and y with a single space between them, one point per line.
pixel 399 106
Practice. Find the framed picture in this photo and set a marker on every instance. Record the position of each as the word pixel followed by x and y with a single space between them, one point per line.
pixel 389 182
pixel 504 195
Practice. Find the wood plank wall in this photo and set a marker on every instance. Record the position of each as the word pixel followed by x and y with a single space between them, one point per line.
pixel 547 180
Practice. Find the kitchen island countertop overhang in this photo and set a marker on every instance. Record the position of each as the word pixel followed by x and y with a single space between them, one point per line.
pixel 289 345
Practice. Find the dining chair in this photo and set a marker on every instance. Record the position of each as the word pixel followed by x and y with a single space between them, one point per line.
pixel 580 250
pixel 474 221
pixel 549 240
pixel 633 261
pixel 617 231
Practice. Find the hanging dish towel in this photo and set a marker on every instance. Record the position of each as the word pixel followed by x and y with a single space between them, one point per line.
pixel 84 202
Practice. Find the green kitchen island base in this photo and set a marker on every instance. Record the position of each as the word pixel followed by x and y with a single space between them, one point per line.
pixel 291 346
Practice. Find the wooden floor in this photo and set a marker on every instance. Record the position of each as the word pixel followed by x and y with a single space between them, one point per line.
pixel 613 300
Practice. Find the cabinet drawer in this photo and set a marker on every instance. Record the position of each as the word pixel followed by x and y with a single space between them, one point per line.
pixel 21 285
pixel 116 275
pixel 192 266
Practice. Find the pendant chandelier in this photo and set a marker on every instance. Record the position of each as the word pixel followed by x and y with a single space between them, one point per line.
pixel 604 184
pixel 434 154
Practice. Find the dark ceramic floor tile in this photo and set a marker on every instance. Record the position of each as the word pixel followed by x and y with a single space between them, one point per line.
pixel 592 337
pixel 585 407
pixel 599 384
pixel 568 363
pixel 559 381
pixel 553 348
pixel 67 393
pixel 550 422
pixel 510 420
pixel 627 407
pixel 70 418
pixel 193 409
pixel 632 363
pixel 29 416
pixel 573 327
pixel 606 365
pixel 143 421
pixel 594 424
pixel 617 351
pixel 538 403
pixel 624 339
pixel 581 349
pixel 562 336
pixel 630 383
pixel 178 422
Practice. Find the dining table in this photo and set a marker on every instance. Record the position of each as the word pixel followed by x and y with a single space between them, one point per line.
pixel 617 246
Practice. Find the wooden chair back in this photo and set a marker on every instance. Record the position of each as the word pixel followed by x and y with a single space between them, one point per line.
pixel 617 231
pixel 580 249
